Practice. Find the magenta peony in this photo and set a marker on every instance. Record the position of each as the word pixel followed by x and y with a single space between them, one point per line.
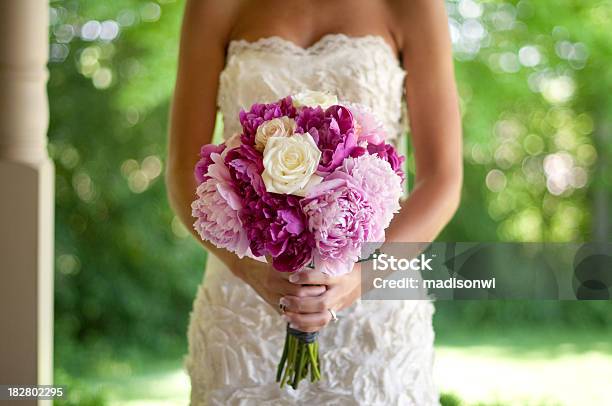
pixel 310 120
pixel 274 223
pixel 258 113
pixel 341 219
pixel 216 209
pixel 332 130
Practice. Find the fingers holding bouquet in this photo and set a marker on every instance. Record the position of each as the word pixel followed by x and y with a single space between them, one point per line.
pixel 311 313
pixel 272 285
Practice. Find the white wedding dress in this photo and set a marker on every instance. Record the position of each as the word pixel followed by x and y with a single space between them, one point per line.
pixel 379 352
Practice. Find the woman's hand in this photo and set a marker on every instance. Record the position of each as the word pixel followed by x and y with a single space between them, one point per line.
pixel 269 283
pixel 310 313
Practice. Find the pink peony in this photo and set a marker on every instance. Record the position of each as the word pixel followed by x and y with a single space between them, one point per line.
pixel 389 154
pixel 341 219
pixel 368 128
pixel 205 160
pixel 216 209
pixel 384 151
pixel 382 186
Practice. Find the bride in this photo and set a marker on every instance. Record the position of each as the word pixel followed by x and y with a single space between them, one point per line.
pixel 380 53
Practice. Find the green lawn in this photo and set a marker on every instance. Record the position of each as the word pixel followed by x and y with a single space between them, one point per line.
pixel 527 367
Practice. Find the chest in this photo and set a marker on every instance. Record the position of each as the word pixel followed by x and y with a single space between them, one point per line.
pixel 304 22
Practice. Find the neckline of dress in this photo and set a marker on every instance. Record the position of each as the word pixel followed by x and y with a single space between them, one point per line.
pixel 315 47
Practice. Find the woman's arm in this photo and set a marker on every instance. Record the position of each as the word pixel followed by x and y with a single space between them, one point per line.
pixel 435 122
pixel 206 26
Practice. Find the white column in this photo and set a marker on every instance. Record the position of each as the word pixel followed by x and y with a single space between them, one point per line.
pixel 26 197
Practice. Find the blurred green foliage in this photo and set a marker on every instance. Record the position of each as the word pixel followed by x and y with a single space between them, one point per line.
pixel 534 80
pixel 126 271
pixel 77 393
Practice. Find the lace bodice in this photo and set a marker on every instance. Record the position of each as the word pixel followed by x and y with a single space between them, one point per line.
pixel 360 70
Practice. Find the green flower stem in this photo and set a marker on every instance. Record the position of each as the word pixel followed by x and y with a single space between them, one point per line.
pixel 279 370
pixel 299 359
pixel 300 365
pixel 292 344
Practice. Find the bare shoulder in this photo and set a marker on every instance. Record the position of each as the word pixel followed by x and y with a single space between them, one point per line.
pixel 204 36
pixel 210 20
pixel 415 22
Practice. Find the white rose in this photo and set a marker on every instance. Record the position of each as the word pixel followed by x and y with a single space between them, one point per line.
pixel 277 127
pixel 290 164
pixel 312 98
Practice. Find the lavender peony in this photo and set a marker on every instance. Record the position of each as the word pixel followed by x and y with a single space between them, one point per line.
pixel 341 219
pixel 216 209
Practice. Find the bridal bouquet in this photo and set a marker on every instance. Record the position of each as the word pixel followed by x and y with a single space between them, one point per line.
pixel 306 184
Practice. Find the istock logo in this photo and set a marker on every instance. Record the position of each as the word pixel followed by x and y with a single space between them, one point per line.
pixel 384 262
